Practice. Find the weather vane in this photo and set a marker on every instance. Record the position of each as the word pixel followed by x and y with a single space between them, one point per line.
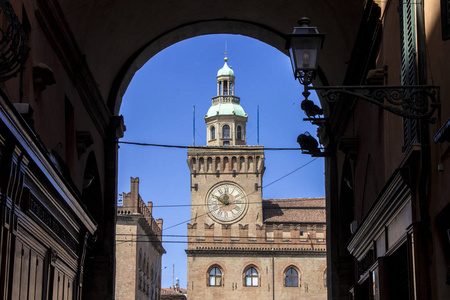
pixel 225 51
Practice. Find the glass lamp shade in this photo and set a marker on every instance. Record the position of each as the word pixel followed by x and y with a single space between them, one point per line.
pixel 304 45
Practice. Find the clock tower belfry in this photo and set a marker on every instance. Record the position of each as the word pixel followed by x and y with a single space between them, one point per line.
pixel 226 119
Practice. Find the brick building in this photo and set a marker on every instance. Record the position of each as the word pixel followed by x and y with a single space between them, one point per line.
pixel 239 245
pixel 138 248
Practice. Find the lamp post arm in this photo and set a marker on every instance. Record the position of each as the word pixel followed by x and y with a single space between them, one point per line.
pixel 413 102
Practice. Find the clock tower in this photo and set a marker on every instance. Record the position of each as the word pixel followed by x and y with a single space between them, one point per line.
pixel 226 175
pixel 239 245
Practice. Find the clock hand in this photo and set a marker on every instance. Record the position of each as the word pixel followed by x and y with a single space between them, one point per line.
pixel 218 198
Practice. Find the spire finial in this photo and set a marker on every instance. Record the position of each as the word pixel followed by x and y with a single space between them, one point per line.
pixel 226 58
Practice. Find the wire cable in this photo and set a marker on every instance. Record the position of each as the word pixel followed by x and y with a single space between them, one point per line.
pixel 209 147
pixel 255 202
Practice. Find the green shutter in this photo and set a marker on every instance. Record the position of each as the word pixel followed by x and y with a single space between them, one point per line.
pixel 408 65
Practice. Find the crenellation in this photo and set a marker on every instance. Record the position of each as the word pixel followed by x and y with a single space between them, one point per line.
pixel 144 234
pixel 243 232
pixel 278 233
pixel 209 233
pixel 226 233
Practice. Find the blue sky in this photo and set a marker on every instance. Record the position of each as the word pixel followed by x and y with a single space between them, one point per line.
pixel 158 109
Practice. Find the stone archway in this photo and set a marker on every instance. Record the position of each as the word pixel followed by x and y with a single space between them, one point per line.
pixel 117 37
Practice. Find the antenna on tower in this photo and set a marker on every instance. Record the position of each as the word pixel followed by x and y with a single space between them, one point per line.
pixel 225 49
pixel 257 126
pixel 193 126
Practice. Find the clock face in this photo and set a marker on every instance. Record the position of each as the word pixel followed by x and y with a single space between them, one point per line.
pixel 226 202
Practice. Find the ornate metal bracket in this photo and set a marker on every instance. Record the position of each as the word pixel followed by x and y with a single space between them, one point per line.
pixel 412 102
pixel 306 77
pixel 13 43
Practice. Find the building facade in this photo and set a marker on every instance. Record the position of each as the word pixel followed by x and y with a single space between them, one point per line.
pixel 239 245
pixel 387 173
pixel 139 248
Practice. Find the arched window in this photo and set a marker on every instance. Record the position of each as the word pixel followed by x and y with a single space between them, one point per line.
pixel 251 277
pixel 291 277
pixel 226 131
pixel 215 277
pixel 213 133
pixel 239 133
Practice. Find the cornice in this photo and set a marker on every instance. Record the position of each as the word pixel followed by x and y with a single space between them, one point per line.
pixel 224 150
pixel 394 196
pixel 226 251
pixel 36 154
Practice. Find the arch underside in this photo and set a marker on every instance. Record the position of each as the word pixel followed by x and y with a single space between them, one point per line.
pixel 119 37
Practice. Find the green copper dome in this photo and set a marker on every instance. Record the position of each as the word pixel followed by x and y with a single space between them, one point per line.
pixel 226 70
pixel 229 108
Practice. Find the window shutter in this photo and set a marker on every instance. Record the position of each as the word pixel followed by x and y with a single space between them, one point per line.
pixel 408 65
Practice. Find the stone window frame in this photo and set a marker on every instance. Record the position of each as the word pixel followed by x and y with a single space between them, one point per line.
pixel 212 133
pixel 228 136
pixel 208 275
pixel 239 132
pixel 245 276
pixel 299 276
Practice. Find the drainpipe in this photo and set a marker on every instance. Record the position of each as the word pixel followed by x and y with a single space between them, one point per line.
pixel 273 277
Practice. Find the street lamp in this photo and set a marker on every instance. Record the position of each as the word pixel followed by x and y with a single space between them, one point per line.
pixel 413 102
pixel 304 44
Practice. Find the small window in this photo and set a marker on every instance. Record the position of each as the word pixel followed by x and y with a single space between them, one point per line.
pixel 213 133
pixel 239 133
pixel 226 131
pixel 226 143
pixel 291 277
pixel 251 277
pixel 325 280
pixel 215 277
